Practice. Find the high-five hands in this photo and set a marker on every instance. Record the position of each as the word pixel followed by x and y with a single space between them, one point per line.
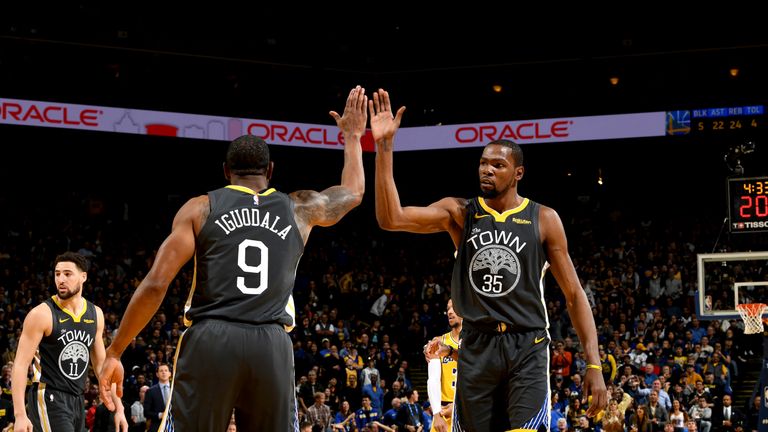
pixel 384 124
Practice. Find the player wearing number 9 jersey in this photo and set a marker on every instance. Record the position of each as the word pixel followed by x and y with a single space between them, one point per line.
pixel 246 240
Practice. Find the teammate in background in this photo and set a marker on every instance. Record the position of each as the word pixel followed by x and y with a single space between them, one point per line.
pixel 246 240
pixel 505 244
pixel 441 371
pixel 62 335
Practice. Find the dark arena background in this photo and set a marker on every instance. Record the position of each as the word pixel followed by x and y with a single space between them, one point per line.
pixel 631 207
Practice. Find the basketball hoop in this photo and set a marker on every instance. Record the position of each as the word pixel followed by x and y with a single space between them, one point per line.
pixel 752 314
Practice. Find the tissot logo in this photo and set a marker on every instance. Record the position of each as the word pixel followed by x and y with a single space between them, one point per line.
pixel 49 114
pixel 539 129
pixel 760 224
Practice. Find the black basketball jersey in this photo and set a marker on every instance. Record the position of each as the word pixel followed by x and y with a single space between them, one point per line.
pixel 246 257
pixel 499 271
pixel 63 357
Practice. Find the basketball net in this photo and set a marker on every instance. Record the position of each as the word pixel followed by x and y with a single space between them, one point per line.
pixel 752 314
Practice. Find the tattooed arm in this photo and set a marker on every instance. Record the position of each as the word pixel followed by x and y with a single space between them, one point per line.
pixel 329 206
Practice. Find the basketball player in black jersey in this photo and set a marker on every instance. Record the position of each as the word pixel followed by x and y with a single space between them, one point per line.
pixel 62 335
pixel 504 244
pixel 246 240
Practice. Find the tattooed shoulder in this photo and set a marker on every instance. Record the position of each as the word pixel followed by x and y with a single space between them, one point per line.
pixel 322 207
pixel 307 205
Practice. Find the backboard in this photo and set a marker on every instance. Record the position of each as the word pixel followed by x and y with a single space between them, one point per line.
pixel 728 279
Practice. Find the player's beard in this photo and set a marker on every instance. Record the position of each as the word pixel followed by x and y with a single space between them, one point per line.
pixel 496 191
pixel 489 194
pixel 71 292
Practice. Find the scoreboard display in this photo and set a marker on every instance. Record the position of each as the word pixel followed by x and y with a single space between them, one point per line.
pixel 744 120
pixel 730 119
pixel 748 204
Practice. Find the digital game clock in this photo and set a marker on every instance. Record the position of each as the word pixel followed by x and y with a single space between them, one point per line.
pixel 748 204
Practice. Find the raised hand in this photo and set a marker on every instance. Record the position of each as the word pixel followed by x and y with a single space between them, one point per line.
pixel 352 123
pixel 384 124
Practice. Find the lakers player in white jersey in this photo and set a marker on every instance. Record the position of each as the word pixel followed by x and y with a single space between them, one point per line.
pixel 441 381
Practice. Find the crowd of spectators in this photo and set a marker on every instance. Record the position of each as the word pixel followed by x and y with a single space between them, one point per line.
pixel 368 300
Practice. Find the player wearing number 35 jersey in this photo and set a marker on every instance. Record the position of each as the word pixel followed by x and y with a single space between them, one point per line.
pixel 246 240
pixel 505 243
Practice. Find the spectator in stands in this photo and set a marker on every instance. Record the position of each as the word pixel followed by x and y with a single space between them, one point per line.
pixel 639 420
pixel 561 360
pixel 351 392
pixel 319 414
pixel 633 389
pixel 583 425
pixel 345 418
pixel 574 410
pixel 138 421
pixel 396 392
pixel 726 416
pixel 576 386
pixel 390 416
pixel 701 413
pixel 657 414
pixel 375 394
pixel 325 329
pixel 370 372
pixel 664 399
pixel 366 414
pixel 401 377
pixel 613 419
pixel 411 413
pixel 608 364
pixel 720 372
pixel 308 390
pixel 678 416
pixel 557 409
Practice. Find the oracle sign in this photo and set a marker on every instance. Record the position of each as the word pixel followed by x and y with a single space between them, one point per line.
pixel 50 114
pixel 275 132
pixel 520 132
pixel 327 136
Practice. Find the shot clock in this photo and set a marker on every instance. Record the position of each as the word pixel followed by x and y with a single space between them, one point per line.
pixel 748 204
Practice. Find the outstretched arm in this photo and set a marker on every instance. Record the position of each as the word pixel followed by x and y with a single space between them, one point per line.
pixel 444 215
pixel 36 325
pixel 329 206
pixel 556 246
pixel 175 251
pixel 382 426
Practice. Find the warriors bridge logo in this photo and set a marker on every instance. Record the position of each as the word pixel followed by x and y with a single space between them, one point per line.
pixel 73 360
pixel 495 270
